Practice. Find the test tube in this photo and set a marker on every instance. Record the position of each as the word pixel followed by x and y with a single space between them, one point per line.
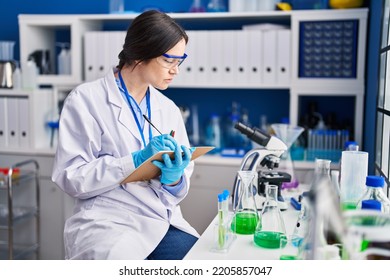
pixel 221 218
pixel 225 203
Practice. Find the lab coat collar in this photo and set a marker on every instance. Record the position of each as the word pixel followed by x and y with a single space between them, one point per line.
pixel 124 116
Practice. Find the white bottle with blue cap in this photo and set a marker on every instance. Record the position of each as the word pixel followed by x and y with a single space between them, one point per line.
pixel 374 191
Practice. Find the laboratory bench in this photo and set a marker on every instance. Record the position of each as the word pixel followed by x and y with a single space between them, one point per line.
pixel 212 174
pixel 243 247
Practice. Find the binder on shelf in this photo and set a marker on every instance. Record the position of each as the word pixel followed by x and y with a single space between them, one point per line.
pixel 242 67
pixel 3 122
pixel 148 171
pixel 105 50
pixel 229 58
pixel 90 55
pixel 283 54
pixel 13 122
pixel 101 55
pixel 215 60
pixel 187 69
pixel 24 123
pixel 117 39
pixel 269 57
pixel 255 50
pixel 202 56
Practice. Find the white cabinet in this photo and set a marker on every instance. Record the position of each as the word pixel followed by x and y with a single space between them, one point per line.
pixel 23 118
pixel 331 46
pixel 41 32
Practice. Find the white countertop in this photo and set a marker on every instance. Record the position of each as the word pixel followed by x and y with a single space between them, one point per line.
pixel 243 248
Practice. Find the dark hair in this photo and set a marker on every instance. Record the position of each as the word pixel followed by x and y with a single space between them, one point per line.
pixel 150 35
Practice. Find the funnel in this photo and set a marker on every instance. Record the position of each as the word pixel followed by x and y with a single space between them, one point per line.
pixel 287 133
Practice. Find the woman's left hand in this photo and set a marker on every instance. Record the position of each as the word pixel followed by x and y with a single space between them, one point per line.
pixel 172 170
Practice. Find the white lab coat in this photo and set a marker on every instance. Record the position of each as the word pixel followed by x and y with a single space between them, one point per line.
pixel 97 135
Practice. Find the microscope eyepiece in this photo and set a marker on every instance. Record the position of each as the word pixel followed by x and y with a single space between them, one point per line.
pixel 254 134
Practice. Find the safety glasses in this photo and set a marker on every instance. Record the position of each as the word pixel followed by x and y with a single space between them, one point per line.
pixel 170 61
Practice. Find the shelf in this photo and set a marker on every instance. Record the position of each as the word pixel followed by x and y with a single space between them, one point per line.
pixel 21 189
pixel 17 180
pixel 32 152
pixel 19 214
pixel 236 161
pixel 19 251
pixel 230 86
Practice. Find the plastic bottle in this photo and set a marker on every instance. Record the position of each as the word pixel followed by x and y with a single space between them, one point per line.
pixel 197 7
pixel 116 6
pixel 231 136
pixel 30 75
pixel 216 6
pixel 351 146
pixel 213 133
pixel 353 173
pixel 64 59
pixel 374 190
pixel 17 77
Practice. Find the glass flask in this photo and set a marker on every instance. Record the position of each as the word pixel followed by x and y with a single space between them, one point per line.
pixel 270 227
pixel 245 216
pixel 374 191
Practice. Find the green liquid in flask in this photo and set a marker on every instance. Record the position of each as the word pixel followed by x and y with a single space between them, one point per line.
pixel 348 206
pixel 244 223
pixel 268 239
pixel 288 257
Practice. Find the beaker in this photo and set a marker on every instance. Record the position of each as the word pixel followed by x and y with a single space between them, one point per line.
pixel 245 216
pixel 270 227
pixel 353 173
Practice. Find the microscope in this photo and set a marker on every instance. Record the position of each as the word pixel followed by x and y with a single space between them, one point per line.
pixel 268 156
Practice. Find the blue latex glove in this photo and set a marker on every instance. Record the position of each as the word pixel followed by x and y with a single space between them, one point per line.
pixel 159 143
pixel 172 170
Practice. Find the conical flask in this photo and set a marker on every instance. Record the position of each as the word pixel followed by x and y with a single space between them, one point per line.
pixel 270 227
pixel 245 215
pixel 288 134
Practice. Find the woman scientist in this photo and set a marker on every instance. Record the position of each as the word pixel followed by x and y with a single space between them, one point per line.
pixel 103 137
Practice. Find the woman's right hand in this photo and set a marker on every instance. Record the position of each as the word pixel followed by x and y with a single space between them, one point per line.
pixel 159 143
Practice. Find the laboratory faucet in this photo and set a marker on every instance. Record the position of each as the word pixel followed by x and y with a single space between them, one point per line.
pixel 267 156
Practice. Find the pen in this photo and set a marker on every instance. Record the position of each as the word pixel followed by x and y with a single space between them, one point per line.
pixel 150 122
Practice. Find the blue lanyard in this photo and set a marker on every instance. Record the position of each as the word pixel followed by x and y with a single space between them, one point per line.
pixel 128 97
